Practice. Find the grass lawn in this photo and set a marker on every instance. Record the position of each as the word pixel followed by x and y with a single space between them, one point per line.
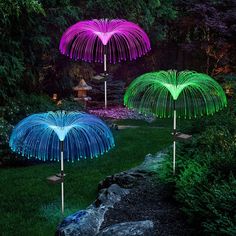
pixel 31 206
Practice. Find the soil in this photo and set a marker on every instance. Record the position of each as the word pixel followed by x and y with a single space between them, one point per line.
pixel 150 200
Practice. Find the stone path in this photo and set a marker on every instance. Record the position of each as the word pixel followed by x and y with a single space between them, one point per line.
pixel 130 203
pixel 127 127
pixel 149 200
pixel 120 127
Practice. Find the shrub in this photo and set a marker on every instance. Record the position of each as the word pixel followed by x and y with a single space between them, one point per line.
pixel 5 129
pixel 204 183
pixel 217 205
pixel 216 139
pixel 23 105
pixel 225 118
pixel 70 105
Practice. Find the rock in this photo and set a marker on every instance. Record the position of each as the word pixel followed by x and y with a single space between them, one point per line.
pixel 111 195
pixel 135 228
pixel 108 181
pixel 87 224
pixel 138 174
pixel 111 190
pixel 75 218
pixel 128 178
pixel 151 163
pixel 123 179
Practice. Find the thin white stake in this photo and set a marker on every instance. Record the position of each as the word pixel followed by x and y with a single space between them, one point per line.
pixel 105 62
pixel 174 144
pixel 62 183
pixel 62 198
pixel 105 88
pixel 105 82
pixel 62 161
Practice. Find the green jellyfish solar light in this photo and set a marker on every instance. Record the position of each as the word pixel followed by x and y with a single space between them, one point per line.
pixel 59 136
pixel 185 94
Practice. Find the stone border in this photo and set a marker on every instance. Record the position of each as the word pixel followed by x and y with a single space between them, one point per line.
pixel 111 190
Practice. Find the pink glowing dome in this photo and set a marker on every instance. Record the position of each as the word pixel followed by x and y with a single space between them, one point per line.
pixel 118 39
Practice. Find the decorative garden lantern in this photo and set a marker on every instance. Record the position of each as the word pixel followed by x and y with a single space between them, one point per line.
pixel 54 97
pixel 104 40
pixel 185 94
pixel 81 89
pixel 61 136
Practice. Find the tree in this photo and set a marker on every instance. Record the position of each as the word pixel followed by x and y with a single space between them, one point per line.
pixel 210 27
pixel 16 16
pixel 151 15
pixel 30 33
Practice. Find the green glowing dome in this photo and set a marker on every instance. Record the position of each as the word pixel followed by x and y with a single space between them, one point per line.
pixel 195 94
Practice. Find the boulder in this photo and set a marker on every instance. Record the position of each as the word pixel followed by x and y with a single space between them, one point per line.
pixel 135 228
pixel 123 179
pixel 82 223
pixel 87 222
pixel 109 196
pixel 151 163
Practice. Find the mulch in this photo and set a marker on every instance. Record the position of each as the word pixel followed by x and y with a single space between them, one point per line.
pixel 150 200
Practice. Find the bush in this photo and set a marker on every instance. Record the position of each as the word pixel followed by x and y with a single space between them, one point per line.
pixel 70 105
pixel 204 183
pixel 5 129
pixel 225 118
pixel 210 205
pixel 215 140
pixel 217 206
pixel 23 105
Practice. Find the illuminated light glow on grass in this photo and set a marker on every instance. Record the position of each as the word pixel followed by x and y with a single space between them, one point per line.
pixel 194 94
pixel 39 135
pixel 118 39
pixel 175 94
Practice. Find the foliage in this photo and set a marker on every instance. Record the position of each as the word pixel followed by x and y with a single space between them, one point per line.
pixel 207 29
pixel 205 180
pixel 17 109
pixel 5 129
pixel 146 13
pixel 28 33
pixel 21 14
pixel 212 202
pixel 220 200
pixel 70 105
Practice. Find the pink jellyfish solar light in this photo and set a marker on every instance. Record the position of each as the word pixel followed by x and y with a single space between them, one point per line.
pixel 104 40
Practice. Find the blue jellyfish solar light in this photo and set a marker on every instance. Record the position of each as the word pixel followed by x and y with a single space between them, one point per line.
pixel 61 136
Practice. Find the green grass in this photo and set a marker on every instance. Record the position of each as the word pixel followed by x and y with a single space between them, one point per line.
pixel 31 206
pixel 156 123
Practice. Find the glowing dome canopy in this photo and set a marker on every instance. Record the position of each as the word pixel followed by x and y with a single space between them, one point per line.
pixel 86 40
pixel 195 94
pixel 39 135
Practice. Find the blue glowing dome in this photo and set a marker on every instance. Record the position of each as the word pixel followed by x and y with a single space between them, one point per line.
pixel 39 135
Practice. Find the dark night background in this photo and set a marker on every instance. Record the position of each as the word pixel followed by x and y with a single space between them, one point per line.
pixel 194 35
